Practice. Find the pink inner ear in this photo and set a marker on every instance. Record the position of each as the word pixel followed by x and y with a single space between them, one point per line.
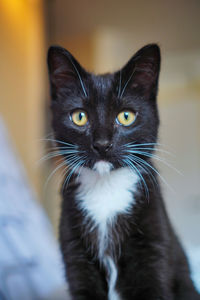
pixel 145 75
pixel 62 76
pixel 135 85
pixel 63 71
pixel 143 80
pixel 147 67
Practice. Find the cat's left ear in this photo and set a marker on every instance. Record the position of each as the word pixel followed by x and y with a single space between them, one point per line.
pixel 64 72
pixel 141 73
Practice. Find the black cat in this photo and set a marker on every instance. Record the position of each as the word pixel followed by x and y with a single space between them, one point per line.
pixel 115 236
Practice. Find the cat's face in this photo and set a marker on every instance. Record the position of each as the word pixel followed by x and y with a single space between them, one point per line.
pixel 103 116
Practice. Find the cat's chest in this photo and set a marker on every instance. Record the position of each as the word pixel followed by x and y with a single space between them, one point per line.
pixel 103 196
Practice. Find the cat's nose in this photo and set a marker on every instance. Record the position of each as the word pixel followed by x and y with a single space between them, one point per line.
pixel 102 145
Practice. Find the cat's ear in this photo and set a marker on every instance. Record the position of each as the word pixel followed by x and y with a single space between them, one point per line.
pixel 64 71
pixel 141 73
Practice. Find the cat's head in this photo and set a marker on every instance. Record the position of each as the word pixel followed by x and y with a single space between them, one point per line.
pixel 108 118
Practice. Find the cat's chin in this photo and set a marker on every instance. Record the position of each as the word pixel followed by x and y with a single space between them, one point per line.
pixel 102 167
pixel 99 168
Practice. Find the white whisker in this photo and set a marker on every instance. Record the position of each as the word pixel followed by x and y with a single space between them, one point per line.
pixel 127 84
pixel 120 83
pixel 53 172
pixel 72 171
pixel 130 163
pixel 79 76
pixel 60 142
pixel 156 157
pixel 153 169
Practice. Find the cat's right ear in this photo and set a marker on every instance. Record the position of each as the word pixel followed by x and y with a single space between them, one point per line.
pixel 141 73
pixel 64 71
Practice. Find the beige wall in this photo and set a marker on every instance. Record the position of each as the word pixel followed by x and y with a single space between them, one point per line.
pixel 22 78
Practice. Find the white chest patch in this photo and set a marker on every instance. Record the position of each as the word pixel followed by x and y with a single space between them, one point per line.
pixel 102 195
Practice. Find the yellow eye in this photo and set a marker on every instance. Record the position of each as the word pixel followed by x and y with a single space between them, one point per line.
pixel 79 117
pixel 126 118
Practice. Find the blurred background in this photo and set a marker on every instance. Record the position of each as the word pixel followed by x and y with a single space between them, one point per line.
pixel 103 35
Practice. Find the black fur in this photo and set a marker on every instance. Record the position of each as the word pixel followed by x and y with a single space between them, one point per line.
pixel 151 264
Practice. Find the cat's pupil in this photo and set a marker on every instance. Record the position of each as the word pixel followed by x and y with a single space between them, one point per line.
pixel 80 116
pixel 126 115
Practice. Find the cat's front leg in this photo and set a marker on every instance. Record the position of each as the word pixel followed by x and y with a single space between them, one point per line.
pixel 85 279
pixel 85 283
pixel 143 280
pixel 146 291
pixel 149 294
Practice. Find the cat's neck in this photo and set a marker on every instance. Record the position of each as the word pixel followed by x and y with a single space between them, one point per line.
pixel 104 195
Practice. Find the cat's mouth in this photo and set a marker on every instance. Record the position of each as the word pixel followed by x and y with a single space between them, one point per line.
pixel 103 167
